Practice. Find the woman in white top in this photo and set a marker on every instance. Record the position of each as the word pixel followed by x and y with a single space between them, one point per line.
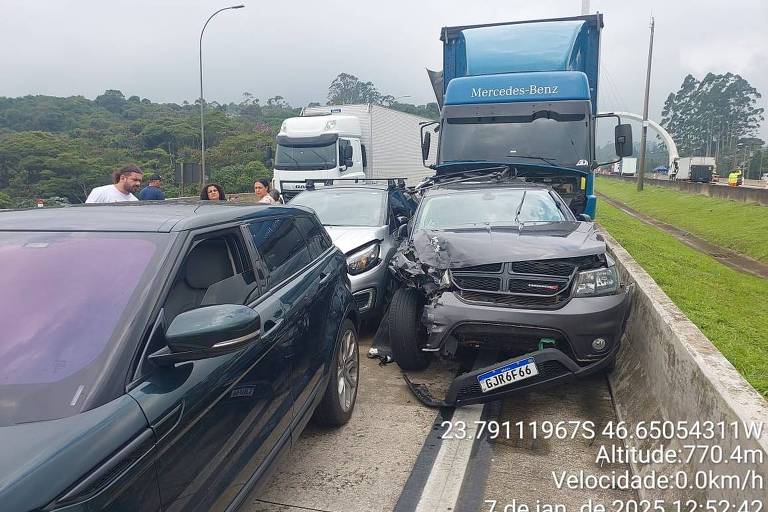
pixel 261 189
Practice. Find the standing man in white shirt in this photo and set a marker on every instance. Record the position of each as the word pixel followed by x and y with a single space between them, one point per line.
pixel 126 182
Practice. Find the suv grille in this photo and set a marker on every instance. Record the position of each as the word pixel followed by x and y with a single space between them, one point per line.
pixel 536 284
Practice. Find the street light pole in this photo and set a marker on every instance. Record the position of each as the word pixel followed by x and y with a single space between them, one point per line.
pixel 202 98
pixel 644 132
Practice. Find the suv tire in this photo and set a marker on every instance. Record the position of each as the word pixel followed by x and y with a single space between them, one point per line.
pixel 405 330
pixel 338 402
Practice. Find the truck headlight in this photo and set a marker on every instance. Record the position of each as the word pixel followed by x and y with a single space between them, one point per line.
pixel 364 259
pixel 593 283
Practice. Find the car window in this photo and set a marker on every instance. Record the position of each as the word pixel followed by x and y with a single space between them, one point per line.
pixel 316 236
pixel 346 207
pixel 474 208
pixel 215 270
pixel 67 299
pixel 281 247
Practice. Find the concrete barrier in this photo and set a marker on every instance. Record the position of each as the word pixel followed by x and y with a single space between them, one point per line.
pixel 667 370
pixel 744 194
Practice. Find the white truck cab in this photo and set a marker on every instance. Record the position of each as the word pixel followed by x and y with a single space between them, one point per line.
pixel 317 147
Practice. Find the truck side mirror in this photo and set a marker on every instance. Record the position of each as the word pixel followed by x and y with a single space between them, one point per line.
pixel 268 155
pixel 269 163
pixel 623 140
pixel 425 143
pixel 347 153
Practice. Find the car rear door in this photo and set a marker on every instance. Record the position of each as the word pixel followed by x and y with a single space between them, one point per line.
pixel 217 421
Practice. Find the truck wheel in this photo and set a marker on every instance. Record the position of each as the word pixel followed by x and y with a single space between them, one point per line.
pixel 339 400
pixel 406 333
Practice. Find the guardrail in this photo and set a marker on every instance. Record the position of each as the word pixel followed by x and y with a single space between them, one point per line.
pixel 744 194
pixel 669 372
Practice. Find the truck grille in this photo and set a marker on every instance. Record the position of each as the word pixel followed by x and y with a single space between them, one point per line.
pixel 537 284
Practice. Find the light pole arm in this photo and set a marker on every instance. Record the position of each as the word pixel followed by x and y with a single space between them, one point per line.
pixel 202 98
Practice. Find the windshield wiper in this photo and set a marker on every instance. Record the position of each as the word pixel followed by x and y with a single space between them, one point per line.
pixel 547 160
pixel 520 207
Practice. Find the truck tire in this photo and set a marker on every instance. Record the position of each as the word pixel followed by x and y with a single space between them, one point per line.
pixel 340 396
pixel 406 333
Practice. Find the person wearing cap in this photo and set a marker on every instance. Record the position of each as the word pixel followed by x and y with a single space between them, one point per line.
pixel 152 192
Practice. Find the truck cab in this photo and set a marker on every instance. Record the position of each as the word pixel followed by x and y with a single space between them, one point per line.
pixel 317 147
pixel 523 96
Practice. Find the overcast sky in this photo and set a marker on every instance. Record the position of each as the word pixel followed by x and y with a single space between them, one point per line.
pixel 295 48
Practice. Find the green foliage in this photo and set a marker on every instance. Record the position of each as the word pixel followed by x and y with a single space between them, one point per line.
pixel 712 114
pixel 728 306
pixel 63 147
pixel 347 89
pixel 742 227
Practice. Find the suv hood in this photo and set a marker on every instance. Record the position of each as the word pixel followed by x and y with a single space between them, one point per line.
pixel 349 238
pixel 478 246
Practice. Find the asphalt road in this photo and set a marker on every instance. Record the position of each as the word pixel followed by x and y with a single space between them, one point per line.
pixel 365 465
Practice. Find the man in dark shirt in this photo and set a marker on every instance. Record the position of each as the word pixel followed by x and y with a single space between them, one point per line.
pixel 152 192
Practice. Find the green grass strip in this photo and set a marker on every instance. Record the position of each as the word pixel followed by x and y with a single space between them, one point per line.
pixel 729 307
pixel 742 227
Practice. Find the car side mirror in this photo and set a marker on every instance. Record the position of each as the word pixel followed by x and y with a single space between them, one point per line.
pixel 402 231
pixel 426 141
pixel 584 217
pixel 208 332
pixel 623 140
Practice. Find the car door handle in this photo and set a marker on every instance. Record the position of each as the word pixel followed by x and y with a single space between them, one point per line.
pixel 324 278
pixel 273 326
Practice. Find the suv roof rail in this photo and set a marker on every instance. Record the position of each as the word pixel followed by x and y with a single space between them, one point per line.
pixel 309 183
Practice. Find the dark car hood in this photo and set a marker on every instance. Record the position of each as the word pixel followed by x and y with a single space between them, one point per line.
pixel 41 460
pixel 479 246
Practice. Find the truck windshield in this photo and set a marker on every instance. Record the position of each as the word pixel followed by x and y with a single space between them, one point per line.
pixel 304 158
pixel 66 300
pixel 546 136
pixel 480 208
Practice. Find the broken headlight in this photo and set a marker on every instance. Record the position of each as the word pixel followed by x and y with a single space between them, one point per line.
pixel 593 283
pixel 364 259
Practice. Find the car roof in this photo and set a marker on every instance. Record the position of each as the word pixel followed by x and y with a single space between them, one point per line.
pixel 138 216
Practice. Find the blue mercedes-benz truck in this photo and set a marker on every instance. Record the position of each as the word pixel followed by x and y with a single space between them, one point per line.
pixel 523 96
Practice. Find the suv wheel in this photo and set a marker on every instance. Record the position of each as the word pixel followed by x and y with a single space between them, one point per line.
pixel 339 400
pixel 406 333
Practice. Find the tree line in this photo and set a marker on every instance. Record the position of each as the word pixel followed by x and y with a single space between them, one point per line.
pixel 58 149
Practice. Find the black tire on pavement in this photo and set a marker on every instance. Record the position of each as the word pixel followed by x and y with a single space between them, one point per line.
pixel 332 411
pixel 407 335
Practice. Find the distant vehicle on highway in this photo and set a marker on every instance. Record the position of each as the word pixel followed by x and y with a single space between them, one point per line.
pixel 161 357
pixel 697 169
pixel 628 166
pixel 367 221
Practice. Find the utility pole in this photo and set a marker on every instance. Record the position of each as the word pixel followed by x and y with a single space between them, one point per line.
pixel 641 175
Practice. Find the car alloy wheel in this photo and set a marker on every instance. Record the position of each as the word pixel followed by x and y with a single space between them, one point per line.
pixel 347 370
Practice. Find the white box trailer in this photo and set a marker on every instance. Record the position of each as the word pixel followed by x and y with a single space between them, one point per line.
pixel 392 140
pixel 628 166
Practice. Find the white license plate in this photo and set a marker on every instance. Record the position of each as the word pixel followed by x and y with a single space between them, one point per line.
pixel 507 374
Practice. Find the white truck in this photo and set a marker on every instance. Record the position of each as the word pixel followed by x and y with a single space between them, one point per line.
pixel 347 141
pixel 628 166
pixel 696 168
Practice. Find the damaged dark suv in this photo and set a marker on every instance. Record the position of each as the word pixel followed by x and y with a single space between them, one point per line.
pixel 504 265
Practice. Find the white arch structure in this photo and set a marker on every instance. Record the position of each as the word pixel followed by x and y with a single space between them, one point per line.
pixel 671 146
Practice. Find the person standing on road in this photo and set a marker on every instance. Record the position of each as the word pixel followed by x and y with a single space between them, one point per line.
pixel 125 183
pixel 152 191
pixel 261 189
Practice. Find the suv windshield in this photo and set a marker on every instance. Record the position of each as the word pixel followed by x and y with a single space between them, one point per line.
pixel 562 139
pixel 300 158
pixel 66 298
pixel 354 207
pixel 494 207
